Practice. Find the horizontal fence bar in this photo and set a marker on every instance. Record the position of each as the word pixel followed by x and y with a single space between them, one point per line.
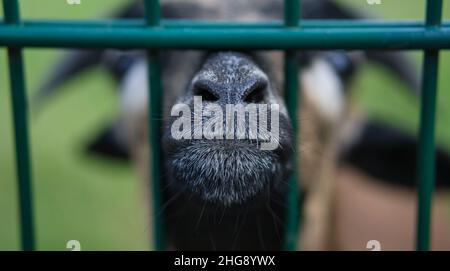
pixel 179 23
pixel 382 37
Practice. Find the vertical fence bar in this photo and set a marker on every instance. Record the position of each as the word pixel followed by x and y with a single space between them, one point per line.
pixel 426 154
pixel 291 88
pixel 18 94
pixel 153 15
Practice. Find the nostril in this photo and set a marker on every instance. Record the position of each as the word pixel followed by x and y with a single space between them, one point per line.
pixel 204 90
pixel 256 93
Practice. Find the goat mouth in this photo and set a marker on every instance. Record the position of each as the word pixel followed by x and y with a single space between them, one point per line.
pixel 223 173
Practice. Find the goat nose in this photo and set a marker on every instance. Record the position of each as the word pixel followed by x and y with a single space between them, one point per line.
pixel 208 90
pixel 252 91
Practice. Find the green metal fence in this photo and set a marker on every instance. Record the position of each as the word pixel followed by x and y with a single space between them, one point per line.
pixel 155 34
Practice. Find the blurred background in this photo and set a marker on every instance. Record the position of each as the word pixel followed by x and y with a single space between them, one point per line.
pixel 97 201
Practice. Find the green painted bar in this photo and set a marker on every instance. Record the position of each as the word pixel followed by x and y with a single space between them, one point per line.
pixel 434 12
pixel 155 102
pixel 180 23
pixel 396 38
pixel 152 12
pixel 426 154
pixel 291 88
pixel 18 94
pixel 291 13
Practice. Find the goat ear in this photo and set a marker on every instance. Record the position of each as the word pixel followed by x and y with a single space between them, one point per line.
pixel 327 9
pixel 395 62
pixel 390 155
pixel 108 144
pixel 399 65
pixel 133 9
pixel 75 62
pixel 71 64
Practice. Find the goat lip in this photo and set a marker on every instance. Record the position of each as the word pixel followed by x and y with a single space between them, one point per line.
pixel 224 174
pixel 193 201
pixel 172 145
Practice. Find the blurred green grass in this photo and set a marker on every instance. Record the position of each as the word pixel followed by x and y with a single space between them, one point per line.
pixel 98 202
